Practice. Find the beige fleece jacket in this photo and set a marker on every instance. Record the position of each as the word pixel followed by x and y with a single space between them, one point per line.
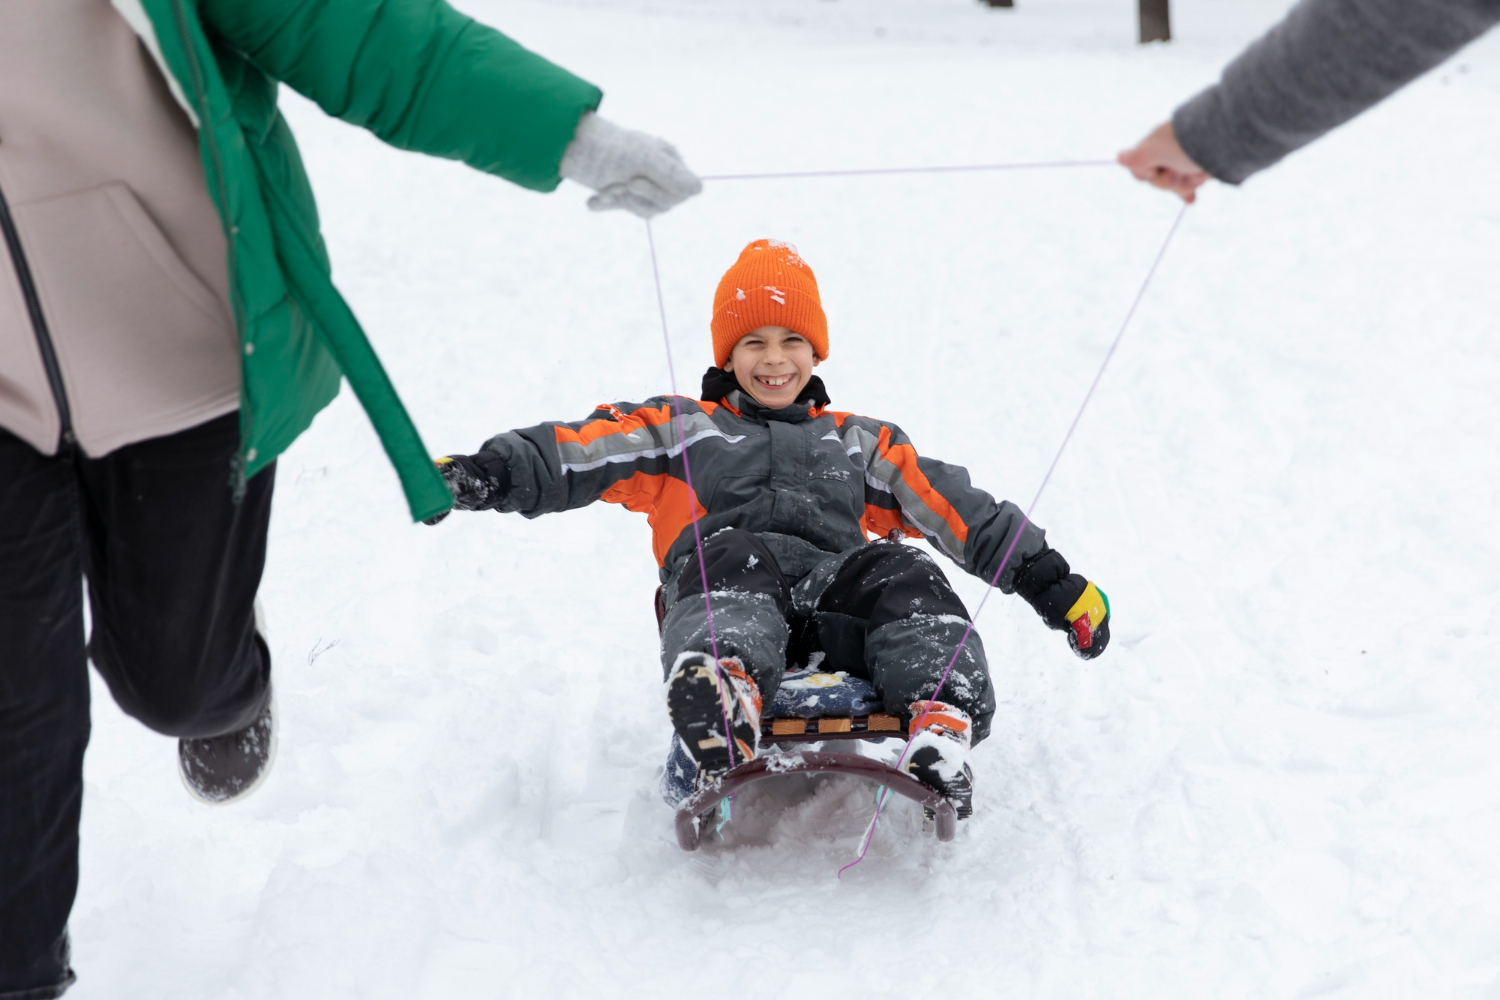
pixel 99 165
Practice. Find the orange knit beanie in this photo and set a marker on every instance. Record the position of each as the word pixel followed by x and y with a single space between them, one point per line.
pixel 768 286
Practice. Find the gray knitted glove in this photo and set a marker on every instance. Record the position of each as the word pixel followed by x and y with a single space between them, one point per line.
pixel 629 170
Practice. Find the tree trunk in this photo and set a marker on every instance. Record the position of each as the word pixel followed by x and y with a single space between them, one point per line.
pixel 1156 21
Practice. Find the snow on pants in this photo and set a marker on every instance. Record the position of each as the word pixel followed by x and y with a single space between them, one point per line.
pixel 883 611
pixel 172 567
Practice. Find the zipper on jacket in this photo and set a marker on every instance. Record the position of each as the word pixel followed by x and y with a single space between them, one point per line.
pixel 38 321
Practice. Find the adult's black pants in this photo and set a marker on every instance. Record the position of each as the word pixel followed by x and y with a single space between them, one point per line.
pixel 172 565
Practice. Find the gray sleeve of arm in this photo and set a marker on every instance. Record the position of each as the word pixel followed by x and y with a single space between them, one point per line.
pixel 537 484
pixel 937 499
pixel 995 528
pixel 552 472
pixel 997 537
pixel 1327 61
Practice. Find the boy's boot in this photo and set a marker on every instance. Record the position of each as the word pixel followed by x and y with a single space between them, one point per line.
pixel 701 694
pixel 938 752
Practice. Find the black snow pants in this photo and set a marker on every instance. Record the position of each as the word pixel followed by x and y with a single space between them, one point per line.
pixel 172 567
pixel 883 611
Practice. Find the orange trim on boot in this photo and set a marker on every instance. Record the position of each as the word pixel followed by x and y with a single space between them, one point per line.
pixel 742 687
pixel 941 718
pixel 732 666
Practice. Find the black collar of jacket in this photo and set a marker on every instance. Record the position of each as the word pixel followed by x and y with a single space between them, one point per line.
pixel 719 385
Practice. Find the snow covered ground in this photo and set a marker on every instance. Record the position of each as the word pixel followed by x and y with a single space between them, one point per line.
pixel 1281 781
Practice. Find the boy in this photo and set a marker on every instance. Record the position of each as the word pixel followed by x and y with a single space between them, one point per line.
pixel 786 494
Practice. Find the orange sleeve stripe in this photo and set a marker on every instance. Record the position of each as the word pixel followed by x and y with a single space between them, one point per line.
pixel 623 423
pixel 664 499
pixel 904 457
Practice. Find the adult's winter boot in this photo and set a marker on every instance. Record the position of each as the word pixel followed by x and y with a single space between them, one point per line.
pixel 221 769
pixel 701 695
pixel 938 752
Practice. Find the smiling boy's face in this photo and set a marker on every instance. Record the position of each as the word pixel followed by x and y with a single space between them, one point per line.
pixel 773 365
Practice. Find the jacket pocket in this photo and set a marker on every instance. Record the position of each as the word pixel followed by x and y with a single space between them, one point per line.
pixel 145 347
pixel 729 492
pixel 835 492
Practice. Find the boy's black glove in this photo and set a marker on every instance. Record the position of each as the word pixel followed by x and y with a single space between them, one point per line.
pixel 477 482
pixel 1066 601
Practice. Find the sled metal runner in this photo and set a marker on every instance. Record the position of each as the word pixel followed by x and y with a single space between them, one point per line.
pixel 695 812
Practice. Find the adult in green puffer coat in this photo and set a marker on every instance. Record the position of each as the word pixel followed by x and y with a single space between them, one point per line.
pixel 416 73
pixel 168 327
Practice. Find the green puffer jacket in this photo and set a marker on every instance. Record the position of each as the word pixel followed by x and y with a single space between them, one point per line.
pixel 416 73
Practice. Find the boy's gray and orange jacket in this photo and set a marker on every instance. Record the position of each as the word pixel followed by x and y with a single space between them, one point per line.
pixel 809 480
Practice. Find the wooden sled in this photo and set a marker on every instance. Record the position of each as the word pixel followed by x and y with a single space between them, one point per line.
pixel 695 812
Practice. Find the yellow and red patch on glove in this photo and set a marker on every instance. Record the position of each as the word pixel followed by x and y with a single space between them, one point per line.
pixel 1087 615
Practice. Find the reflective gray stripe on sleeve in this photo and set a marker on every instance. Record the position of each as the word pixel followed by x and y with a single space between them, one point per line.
pixel 648 441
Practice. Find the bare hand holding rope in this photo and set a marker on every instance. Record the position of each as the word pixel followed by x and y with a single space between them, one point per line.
pixel 1160 161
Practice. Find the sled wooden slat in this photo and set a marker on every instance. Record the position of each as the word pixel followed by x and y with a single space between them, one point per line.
pixel 847 727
